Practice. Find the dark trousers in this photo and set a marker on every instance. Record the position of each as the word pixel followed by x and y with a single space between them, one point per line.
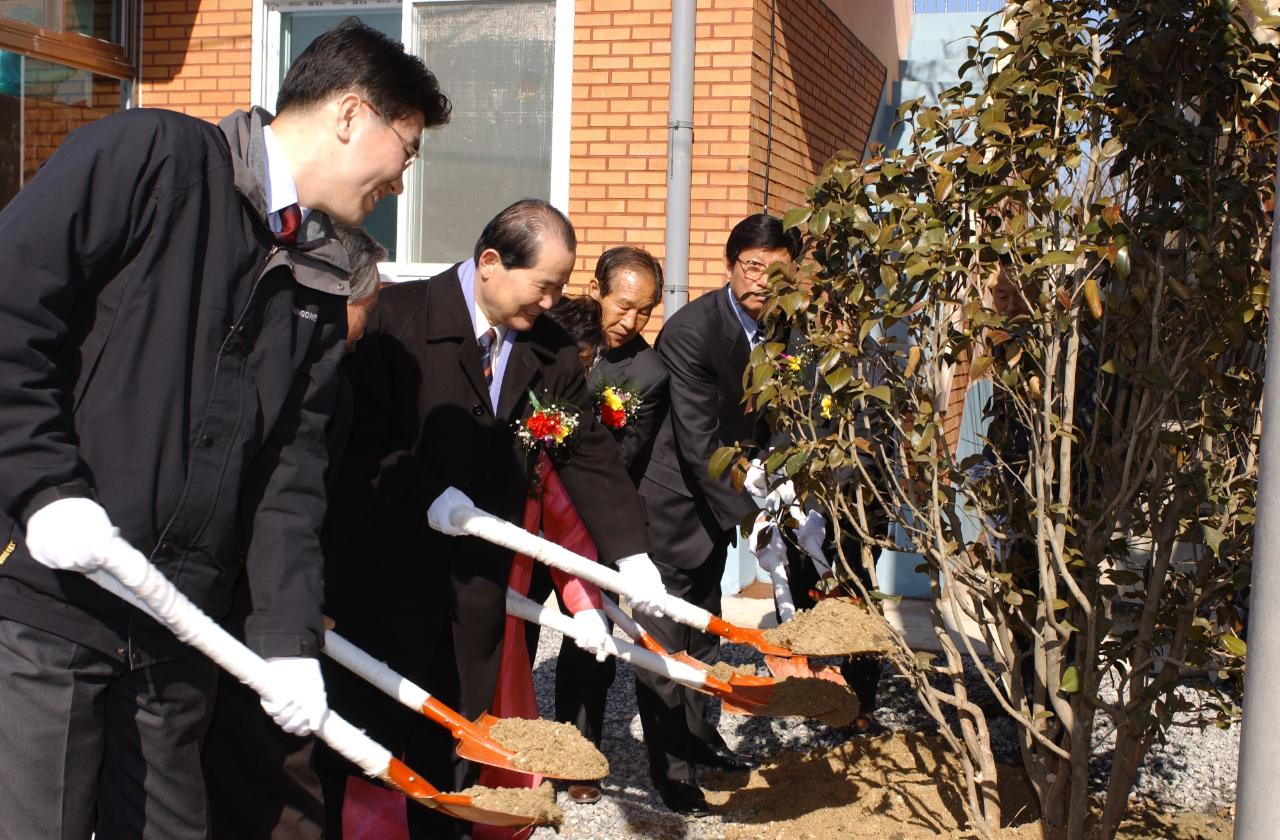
pixel 262 781
pixel 89 746
pixel 676 730
pixel 582 683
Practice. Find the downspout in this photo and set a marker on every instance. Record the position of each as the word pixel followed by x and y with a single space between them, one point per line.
pixel 1257 806
pixel 675 293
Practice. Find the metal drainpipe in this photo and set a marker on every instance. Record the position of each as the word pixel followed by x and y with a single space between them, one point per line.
pixel 1257 806
pixel 675 293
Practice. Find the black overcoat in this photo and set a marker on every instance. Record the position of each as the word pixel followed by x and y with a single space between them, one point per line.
pixel 422 423
pixel 639 366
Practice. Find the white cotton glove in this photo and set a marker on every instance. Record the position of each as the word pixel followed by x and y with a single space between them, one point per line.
pixel 438 515
pixel 645 584
pixel 69 534
pixel 298 702
pixel 593 626
pixel 811 534
pixel 767 545
pixel 756 482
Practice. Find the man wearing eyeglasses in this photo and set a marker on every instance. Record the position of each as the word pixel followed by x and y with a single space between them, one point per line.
pixel 173 311
pixel 692 517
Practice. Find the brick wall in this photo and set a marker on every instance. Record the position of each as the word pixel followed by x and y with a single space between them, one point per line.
pixel 618 143
pixel 196 55
pixel 826 89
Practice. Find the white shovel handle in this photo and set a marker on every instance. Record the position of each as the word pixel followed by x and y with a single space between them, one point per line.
pixel 782 593
pixel 490 528
pixel 620 618
pixel 526 609
pixel 126 572
pixel 375 672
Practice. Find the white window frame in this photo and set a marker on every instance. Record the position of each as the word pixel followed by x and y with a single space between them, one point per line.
pixel 264 85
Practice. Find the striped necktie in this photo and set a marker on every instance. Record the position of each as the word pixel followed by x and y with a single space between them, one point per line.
pixel 486 353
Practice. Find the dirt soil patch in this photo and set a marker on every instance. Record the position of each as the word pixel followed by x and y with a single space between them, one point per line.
pixel 547 747
pixel 901 786
pixel 834 704
pixel 538 804
pixel 723 671
pixel 835 627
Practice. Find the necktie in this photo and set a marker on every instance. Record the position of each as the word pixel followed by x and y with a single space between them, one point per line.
pixel 757 338
pixel 486 353
pixel 290 221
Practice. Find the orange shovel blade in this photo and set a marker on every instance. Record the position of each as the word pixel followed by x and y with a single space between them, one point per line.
pixel 745 636
pixel 403 779
pixel 798 666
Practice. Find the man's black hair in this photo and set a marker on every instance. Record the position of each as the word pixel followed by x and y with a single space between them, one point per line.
pixel 760 231
pixel 356 57
pixel 626 257
pixel 517 233
pixel 364 253
pixel 580 318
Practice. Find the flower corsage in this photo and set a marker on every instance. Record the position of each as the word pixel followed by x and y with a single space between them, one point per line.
pixel 549 428
pixel 617 403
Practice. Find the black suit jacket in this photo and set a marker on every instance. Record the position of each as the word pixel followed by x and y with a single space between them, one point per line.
pixel 706 352
pixel 639 365
pixel 422 423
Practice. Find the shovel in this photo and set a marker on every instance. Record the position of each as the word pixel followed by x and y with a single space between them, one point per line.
pixel 748 694
pixel 490 528
pixel 128 574
pixel 475 743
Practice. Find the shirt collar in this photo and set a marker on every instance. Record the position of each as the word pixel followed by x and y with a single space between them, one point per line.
pixel 479 323
pixel 281 189
pixel 749 324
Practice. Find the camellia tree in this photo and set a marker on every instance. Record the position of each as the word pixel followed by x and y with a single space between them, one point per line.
pixel 1087 227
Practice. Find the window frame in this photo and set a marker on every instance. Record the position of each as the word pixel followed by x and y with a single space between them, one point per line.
pixel 83 52
pixel 268 46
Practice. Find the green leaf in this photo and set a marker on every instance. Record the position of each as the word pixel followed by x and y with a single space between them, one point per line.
pixel 838 378
pixel 881 393
pixel 1056 258
pixel 720 460
pixel 1233 644
pixel 1070 682
pixel 796 217
pixel 1213 538
pixel 820 222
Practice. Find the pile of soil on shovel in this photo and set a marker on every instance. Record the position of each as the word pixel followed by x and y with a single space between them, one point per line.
pixel 835 627
pixel 550 748
pixel 832 703
pixel 537 804
pixel 723 671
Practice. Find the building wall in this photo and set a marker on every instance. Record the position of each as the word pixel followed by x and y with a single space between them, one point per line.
pixel 618 143
pixel 826 90
pixel 196 56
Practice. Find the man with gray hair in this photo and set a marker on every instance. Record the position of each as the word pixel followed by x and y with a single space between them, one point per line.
pixel 447 369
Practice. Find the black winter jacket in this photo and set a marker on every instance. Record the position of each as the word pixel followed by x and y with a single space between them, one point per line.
pixel 159 352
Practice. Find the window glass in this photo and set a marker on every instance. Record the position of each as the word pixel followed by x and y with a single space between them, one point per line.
pixel 42 13
pixel 300 29
pixel 495 61
pixel 95 18
pixel 40 104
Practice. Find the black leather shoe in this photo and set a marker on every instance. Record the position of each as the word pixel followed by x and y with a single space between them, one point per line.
pixel 683 798
pixel 723 758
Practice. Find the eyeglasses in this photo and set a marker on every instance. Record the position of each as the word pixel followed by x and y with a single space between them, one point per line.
pixel 751 269
pixel 410 152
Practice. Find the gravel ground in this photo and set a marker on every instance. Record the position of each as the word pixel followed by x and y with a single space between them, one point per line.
pixel 1193 770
